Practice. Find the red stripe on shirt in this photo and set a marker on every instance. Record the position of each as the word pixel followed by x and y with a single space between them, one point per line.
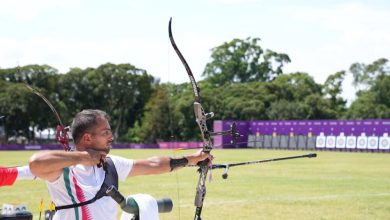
pixel 85 213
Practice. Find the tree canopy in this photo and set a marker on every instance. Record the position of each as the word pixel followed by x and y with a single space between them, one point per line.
pixel 242 82
pixel 240 61
pixel 373 99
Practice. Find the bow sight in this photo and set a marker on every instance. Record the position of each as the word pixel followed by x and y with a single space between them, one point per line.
pixel 200 115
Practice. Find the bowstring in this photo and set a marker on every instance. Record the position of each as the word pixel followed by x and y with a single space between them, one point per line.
pixel 172 136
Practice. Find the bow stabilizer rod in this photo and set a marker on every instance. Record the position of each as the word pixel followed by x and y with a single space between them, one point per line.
pixel 227 166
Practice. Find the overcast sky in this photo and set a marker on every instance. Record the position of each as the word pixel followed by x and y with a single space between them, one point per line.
pixel 320 38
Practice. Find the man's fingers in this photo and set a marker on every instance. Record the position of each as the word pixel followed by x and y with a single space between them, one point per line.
pixel 96 157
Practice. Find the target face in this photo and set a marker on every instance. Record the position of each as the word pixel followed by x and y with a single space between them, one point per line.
pixel 340 142
pixel 362 143
pixel 331 142
pixel 384 143
pixel 372 142
pixel 320 143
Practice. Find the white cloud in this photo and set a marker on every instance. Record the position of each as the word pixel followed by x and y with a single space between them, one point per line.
pixel 355 33
pixel 355 22
pixel 29 9
pixel 230 2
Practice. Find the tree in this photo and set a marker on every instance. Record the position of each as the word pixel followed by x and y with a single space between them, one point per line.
pixel 243 61
pixel 23 110
pixel 121 90
pixel 287 110
pixel 34 75
pixel 333 89
pixel 373 100
pixel 373 103
pixel 240 101
pixel 365 75
pixel 22 107
pixel 156 121
pixel 293 86
pixel 297 96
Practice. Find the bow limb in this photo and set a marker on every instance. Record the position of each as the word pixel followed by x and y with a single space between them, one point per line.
pixel 186 66
pixel 201 121
pixel 61 131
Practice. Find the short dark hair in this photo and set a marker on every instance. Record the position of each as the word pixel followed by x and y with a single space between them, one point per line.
pixel 84 121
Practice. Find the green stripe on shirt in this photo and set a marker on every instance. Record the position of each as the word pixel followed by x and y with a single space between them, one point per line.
pixel 68 188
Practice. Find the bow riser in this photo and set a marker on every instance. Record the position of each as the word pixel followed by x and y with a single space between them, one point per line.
pixel 200 118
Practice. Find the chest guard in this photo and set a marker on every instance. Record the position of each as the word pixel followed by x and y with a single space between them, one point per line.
pixel 110 178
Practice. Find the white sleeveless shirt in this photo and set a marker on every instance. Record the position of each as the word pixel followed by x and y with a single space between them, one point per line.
pixel 81 183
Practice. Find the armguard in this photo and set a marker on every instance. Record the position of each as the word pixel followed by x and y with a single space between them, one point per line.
pixel 178 162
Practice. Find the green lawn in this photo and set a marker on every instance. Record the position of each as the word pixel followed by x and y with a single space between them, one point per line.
pixel 335 185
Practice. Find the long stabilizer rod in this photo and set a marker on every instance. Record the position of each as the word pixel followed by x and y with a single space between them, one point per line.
pixel 227 166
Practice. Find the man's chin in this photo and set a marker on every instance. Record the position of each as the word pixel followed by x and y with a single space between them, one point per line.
pixel 108 148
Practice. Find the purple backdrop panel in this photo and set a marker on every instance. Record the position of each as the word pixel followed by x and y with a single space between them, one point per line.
pixel 11 147
pixel 178 144
pixel 31 147
pixel 329 127
pixel 143 146
pixel 218 140
pixel 372 127
pixel 120 146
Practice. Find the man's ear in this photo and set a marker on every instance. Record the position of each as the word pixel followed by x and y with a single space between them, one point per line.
pixel 87 138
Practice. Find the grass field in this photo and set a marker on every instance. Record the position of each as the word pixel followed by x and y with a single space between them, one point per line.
pixel 335 185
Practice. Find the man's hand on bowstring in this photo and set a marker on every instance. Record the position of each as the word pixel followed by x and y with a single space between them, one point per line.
pixel 93 157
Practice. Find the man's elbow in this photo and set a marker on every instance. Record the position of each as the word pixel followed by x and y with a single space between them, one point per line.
pixel 35 165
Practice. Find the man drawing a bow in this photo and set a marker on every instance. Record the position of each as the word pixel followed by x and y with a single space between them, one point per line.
pixel 77 180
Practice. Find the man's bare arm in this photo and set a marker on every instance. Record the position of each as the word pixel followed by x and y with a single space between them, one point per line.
pixel 49 165
pixel 158 165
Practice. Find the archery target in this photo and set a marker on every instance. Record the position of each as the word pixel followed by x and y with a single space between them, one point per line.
pixel 384 142
pixel 320 141
pixel 259 141
pixel 372 142
pixel 362 141
pixel 341 141
pixel 284 141
pixel 267 141
pixel 311 142
pixel 275 143
pixel 331 142
pixel 293 142
pixel 302 140
pixel 251 140
pixel 351 142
